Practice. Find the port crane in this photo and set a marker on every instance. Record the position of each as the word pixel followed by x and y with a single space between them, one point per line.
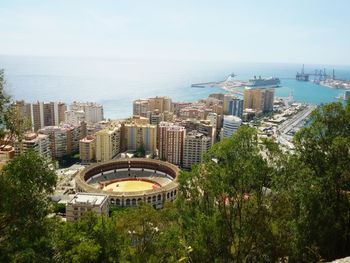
pixel 319 75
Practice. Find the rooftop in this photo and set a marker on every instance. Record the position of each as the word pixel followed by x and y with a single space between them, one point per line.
pixel 85 198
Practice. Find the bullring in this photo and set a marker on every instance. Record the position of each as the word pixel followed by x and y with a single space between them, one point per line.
pixel 129 182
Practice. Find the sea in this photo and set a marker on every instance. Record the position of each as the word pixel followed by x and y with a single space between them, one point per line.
pixel 116 82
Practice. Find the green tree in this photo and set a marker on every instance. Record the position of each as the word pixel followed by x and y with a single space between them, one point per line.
pixel 324 148
pixel 91 239
pixel 223 205
pixel 12 123
pixel 25 183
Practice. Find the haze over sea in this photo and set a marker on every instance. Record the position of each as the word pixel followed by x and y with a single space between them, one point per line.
pixel 115 83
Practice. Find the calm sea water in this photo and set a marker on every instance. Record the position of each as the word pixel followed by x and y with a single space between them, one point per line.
pixel 117 82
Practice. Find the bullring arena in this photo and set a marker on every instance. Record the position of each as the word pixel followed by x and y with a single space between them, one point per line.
pixel 131 181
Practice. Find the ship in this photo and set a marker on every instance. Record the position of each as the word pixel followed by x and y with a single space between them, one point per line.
pixel 264 82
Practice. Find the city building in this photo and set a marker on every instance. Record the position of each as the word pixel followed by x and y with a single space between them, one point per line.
pixel 230 126
pixel 7 152
pixel 58 140
pixel 259 99
pixel 160 103
pixel 74 117
pixel 155 117
pixel 64 139
pixel 39 143
pixel 86 202
pixel 87 149
pixel 93 111
pixel 140 135
pixel 108 142
pixel 140 107
pixel 47 114
pixel 170 141
pixel 235 107
pixel 226 102
pixel 195 145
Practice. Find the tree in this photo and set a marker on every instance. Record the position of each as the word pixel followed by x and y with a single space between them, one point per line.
pixel 91 239
pixel 324 148
pixel 25 183
pixel 12 122
pixel 223 207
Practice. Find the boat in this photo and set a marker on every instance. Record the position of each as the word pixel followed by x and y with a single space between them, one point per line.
pixel 264 82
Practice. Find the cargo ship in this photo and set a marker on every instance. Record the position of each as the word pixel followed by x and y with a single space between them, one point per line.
pixel 264 82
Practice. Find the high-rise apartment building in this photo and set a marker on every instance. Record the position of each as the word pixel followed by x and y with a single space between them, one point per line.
pixel 160 103
pixel 230 126
pixel 87 149
pixel 47 114
pixel 226 102
pixel 170 141
pixel 140 107
pixel 93 111
pixel 235 107
pixel 195 145
pixel 74 117
pixel 64 139
pixel 140 135
pixel 39 143
pixel 58 140
pixel 259 99
pixel 108 142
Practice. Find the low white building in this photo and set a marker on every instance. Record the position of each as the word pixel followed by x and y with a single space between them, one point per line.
pixel 87 202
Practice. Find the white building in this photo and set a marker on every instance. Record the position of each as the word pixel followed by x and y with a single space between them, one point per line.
pixel 230 126
pixel 93 111
pixel 86 202
pixel 74 117
pixel 196 144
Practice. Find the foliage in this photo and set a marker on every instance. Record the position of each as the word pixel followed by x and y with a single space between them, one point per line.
pixel 12 123
pixel 140 152
pixel 25 183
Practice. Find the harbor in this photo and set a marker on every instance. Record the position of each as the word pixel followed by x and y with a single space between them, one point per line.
pixel 320 76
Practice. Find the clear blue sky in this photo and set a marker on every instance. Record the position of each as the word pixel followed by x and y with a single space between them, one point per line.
pixel 291 31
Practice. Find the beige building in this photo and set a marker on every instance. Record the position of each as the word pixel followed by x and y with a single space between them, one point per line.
pixel 39 143
pixel 47 114
pixel 7 152
pixel 108 142
pixel 196 144
pixel 64 139
pixel 140 107
pixel 87 149
pixel 141 135
pixel 160 103
pixel 170 141
pixel 86 202
pixel 257 99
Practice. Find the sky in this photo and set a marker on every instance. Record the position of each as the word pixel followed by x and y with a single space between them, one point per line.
pixel 288 31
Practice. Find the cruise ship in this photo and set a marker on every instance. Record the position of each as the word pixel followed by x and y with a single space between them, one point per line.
pixel 264 82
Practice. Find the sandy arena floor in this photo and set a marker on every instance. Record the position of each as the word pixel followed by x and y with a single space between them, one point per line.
pixel 130 186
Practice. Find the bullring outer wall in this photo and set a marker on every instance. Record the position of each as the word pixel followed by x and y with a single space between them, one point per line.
pixel 156 197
